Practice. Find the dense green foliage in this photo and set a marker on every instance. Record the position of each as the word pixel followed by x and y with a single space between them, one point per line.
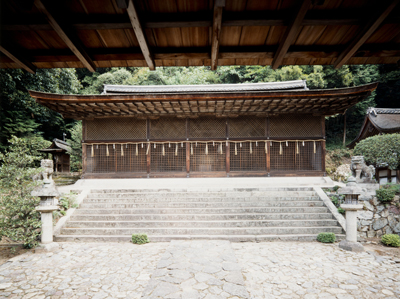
pixel 387 192
pixel 391 240
pixel 18 218
pixel 326 237
pixel 380 150
pixel 139 239
pixel 76 146
pixel 20 115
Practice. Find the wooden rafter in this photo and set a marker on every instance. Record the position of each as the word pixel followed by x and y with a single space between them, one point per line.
pixel 72 42
pixel 216 32
pixel 364 34
pixel 290 34
pixel 22 62
pixel 133 16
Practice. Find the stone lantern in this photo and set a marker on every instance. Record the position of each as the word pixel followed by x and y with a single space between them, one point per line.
pixel 48 203
pixel 351 206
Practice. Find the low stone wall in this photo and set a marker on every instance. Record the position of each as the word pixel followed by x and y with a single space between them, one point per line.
pixel 378 219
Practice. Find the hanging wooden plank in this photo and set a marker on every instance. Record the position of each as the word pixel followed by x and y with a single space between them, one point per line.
pixel 364 34
pixel 216 32
pixel 22 62
pixel 290 34
pixel 133 16
pixel 71 41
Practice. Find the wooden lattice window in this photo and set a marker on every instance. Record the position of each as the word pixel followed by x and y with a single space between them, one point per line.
pixel 133 160
pixel 214 160
pixel 289 160
pixel 207 127
pixel 246 126
pixel 115 162
pixel 291 125
pixel 242 160
pixel 174 158
pixel 123 128
pixel 164 128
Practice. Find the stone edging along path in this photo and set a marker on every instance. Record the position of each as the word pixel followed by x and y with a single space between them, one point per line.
pixel 200 269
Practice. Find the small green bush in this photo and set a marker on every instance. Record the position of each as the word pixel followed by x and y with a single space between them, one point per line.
pixel 139 239
pixel 341 211
pixel 385 195
pixel 326 237
pixel 391 240
pixel 335 188
pixel 380 149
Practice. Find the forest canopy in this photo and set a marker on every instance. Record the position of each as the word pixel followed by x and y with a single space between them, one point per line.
pixel 21 116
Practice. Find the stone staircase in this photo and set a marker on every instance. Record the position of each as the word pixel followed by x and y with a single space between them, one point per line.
pixel 292 214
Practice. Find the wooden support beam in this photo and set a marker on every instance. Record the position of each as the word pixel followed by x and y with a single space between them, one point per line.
pixel 72 42
pixel 133 16
pixel 22 62
pixel 290 34
pixel 216 32
pixel 364 34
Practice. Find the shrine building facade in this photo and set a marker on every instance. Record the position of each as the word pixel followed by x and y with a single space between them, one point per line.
pixel 223 130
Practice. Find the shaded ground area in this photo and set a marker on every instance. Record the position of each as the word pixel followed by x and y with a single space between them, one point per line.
pixel 201 269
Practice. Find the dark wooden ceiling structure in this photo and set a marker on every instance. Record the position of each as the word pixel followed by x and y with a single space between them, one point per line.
pixel 204 103
pixel 120 33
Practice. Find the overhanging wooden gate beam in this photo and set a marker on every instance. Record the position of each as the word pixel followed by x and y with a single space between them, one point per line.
pixel 216 33
pixel 290 34
pixel 364 34
pixel 72 42
pixel 133 16
pixel 26 65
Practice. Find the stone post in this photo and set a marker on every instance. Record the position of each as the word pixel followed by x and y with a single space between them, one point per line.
pixel 351 206
pixel 47 193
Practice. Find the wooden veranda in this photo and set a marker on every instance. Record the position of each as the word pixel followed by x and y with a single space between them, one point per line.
pixel 121 33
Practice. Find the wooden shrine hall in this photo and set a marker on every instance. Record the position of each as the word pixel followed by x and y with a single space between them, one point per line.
pixel 259 129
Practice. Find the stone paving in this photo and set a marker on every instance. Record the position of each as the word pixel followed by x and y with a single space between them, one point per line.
pixel 197 269
pixel 314 270
pixel 200 269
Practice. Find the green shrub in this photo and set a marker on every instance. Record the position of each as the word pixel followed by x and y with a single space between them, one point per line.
pixel 19 220
pixel 380 149
pixel 139 239
pixel 391 240
pixel 385 195
pixel 326 237
pixel 341 211
pixel 68 201
pixel 335 188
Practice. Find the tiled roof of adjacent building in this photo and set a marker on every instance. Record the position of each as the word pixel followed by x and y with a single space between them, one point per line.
pixel 253 87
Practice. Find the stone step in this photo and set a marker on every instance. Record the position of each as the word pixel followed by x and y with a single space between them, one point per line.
pixel 201 194
pixel 201 217
pixel 202 231
pixel 162 205
pixel 201 224
pixel 219 210
pixel 167 238
pixel 231 190
pixel 197 199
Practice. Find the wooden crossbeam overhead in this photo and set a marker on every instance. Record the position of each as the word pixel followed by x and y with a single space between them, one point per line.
pixel 216 32
pixel 133 16
pixel 364 34
pixel 26 65
pixel 73 43
pixel 290 34
pixel 169 20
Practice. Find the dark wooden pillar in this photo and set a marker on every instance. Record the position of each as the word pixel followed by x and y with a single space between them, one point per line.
pixel 187 159
pixel 228 158
pixel 83 158
pixel 323 150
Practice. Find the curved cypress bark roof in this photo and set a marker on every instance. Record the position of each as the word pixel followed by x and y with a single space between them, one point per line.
pixel 193 103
